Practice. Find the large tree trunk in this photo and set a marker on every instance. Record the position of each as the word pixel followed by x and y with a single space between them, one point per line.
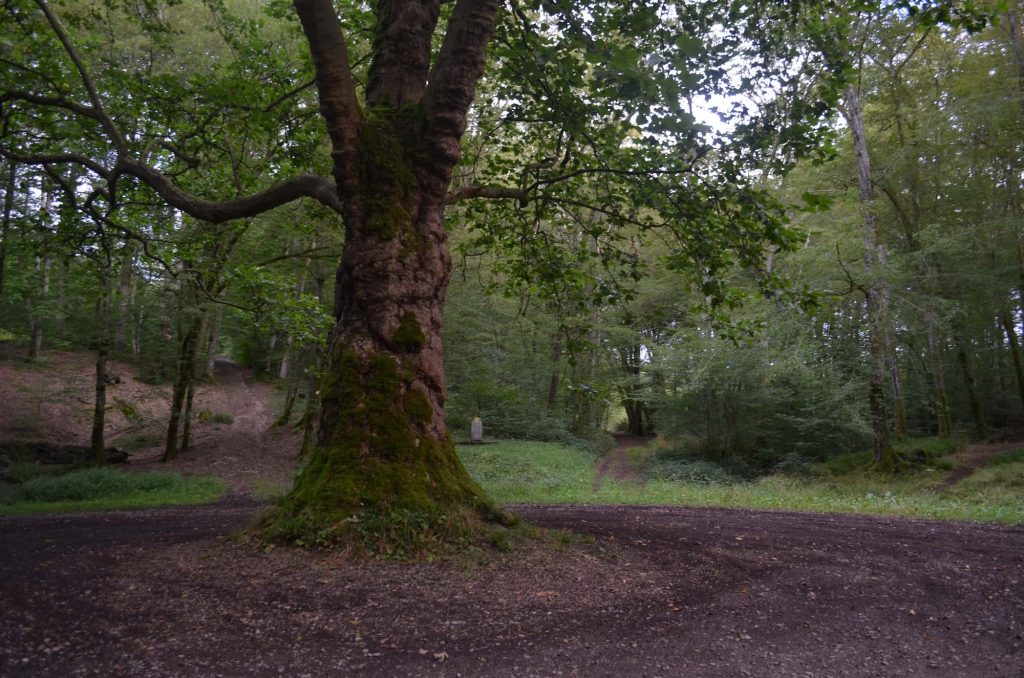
pixel 384 474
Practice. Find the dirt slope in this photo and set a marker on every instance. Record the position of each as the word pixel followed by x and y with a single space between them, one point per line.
pixel 52 401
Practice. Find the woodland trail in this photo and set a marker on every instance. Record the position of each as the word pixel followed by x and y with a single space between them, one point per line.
pixel 658 592
pixel 248 454
pixel 618 464
pixel 976 457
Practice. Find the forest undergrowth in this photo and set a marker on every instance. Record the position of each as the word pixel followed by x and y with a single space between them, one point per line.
pixel 530 472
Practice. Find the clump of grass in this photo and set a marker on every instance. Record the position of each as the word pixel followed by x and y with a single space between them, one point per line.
pixel 106 488
pixel 130 412
pixel 208 417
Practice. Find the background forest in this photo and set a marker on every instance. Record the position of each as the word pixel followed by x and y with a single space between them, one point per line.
pixel 901 314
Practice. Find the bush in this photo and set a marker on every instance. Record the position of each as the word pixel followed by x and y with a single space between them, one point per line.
pixel 208 417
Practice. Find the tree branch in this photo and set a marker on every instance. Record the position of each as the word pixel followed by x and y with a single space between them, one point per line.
pixel 401 52
pixel 304 185
pixel 488 192
pixel 94 98
pixel 452 80
pixel 338 103
pixel 59 102
pixel 57 159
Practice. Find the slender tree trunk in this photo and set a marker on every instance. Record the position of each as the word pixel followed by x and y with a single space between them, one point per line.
pixel 42 268
pixel 136 318
pixel 186 426
pixel 125 286
pixel 291 395
pixel 211 346
pixel 877 295
pixel 98 443
pixel 5 225
pixel 977 410
pixel 183 378
pixel 556 360
pixel 60 311
pixel 943 421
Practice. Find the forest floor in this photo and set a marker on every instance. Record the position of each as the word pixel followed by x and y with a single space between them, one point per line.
pixel 654 592
pixel 649 591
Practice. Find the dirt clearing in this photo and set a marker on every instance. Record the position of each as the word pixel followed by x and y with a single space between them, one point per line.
pixel 659 592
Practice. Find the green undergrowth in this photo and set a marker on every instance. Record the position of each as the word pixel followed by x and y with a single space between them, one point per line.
pixel 105 488
pixel 913 454
pixel 549 473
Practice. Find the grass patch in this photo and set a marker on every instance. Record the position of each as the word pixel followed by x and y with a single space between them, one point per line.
pixel 1008 458
pixel 915 452
pixel 106 488
pixel 549 473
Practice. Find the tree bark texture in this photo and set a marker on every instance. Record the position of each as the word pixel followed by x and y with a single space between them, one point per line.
pixel 5 225
pixel 382 455
pixel 184 376
pixel 977 409
pixel 98 442
pixel 1011 336
pixel 943 420
pixel 877 296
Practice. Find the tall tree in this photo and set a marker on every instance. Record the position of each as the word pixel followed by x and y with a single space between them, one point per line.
pixel 599 92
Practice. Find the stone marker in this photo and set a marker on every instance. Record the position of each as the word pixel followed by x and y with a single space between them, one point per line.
pixel 476 430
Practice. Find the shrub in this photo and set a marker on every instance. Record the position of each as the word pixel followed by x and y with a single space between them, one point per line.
pixel 208 417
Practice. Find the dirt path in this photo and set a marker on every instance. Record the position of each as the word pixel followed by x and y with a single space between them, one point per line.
pixel 976 457
pixel 247 454
pixel 618 464
pixel 660 592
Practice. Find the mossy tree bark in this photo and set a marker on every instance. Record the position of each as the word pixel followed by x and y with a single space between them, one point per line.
pixel 383 467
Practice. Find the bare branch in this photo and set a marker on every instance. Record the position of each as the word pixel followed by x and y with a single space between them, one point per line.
pixel 304 185
pixel 288 95
pixel 59 102
pixel 488 192
pixel 56 159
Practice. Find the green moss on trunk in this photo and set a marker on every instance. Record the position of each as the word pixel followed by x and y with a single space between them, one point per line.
pixel 376 483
